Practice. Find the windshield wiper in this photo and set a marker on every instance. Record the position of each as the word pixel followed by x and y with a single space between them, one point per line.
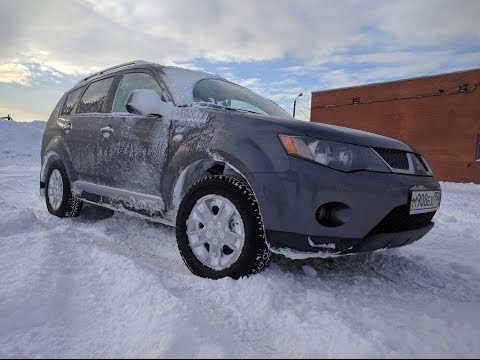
pixel 250 111
pixel 228 108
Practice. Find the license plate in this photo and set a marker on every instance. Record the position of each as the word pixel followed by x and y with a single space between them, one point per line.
pixel 425 201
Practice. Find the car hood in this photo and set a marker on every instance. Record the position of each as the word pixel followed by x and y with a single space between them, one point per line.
pixel 332 132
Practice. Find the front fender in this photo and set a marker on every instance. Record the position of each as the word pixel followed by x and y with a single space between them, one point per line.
pixel 250 142
pixel 246 144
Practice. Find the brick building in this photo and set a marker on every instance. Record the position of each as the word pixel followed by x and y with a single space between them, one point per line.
pixel 438 115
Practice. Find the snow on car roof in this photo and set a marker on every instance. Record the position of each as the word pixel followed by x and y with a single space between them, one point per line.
pixel 181 81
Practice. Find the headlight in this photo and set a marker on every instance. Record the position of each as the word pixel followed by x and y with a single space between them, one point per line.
pixel 336 155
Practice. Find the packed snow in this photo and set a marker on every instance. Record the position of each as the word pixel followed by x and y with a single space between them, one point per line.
pixel 181 82
pixel 149 102
pixel 108 285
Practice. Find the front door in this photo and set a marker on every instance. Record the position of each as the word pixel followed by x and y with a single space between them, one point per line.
pixel 133 149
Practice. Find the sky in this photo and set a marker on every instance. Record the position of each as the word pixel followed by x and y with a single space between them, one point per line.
pixel 278 48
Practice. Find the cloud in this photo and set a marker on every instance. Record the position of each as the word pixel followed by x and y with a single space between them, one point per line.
pixel 329 43
pixel 343 70
pixel 81 36
pixel 424 23
pixel 15 73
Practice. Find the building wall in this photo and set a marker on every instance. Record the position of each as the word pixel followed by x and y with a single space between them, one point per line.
pixel 428 113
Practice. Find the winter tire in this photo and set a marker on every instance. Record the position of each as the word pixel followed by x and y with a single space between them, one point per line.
pixel 58 195
pixel 220 231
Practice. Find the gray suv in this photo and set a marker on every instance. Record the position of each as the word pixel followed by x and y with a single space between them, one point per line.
pixel 233 172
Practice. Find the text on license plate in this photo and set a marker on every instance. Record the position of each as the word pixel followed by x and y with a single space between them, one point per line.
pixel 425 201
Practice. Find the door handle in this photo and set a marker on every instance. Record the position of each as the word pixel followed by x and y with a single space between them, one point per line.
pixel 67 127
pixel 107 129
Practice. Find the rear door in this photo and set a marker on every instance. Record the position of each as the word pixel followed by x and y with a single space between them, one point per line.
pixel 72 130
pixel 85 127
pixel 133 148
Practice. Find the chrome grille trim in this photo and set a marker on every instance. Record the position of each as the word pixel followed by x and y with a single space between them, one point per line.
pixel 411 159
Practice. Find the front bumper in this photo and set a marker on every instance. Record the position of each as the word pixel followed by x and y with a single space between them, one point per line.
pixel 289 202
pixel 338 246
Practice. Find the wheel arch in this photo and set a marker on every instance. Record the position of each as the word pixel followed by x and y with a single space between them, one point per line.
pixel 199 169
pixel 56 150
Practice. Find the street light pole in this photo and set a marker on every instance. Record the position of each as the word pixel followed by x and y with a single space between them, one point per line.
pixel 295 103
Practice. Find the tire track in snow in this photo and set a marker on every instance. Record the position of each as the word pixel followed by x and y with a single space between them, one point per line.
pixel 213 308
pixel 256 336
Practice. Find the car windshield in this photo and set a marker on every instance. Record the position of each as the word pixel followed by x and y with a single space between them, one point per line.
pixel 229 95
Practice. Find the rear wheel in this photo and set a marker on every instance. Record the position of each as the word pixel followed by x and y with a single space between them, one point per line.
pixel 58 195
pixel 220 231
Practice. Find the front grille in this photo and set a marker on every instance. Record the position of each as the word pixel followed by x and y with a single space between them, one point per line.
pixel 395 158
pixel 399 219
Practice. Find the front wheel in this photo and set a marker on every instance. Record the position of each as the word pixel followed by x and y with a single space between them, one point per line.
pixel 220 231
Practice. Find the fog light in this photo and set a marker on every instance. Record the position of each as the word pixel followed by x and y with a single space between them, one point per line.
pixel 333 214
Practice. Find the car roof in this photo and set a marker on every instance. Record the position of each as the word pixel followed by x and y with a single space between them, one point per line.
pixel 177 79
pixel 130 64
pixel 139 64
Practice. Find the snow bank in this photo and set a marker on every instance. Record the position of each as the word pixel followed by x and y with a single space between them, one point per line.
pixel 20 139
pixel 115 286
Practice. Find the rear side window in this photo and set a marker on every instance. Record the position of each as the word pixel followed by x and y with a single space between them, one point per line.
pixel 70 101
pixel 93 99
pixel 130 82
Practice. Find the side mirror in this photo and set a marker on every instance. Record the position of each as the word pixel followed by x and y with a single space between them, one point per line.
pixel 146 102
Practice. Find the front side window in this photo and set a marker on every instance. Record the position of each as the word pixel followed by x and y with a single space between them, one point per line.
pixel 478 147
pixel 70 101
pixel 93 99
pixel 131 82
pixel 230 95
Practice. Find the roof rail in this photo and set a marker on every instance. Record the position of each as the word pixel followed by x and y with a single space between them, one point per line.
pixel 104 71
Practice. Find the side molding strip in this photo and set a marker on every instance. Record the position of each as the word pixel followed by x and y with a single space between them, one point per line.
pixel 137 200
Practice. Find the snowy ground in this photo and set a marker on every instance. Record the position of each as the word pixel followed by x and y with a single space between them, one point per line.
pixel 115 286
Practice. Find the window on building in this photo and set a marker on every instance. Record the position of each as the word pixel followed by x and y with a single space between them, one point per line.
pixel 130 82
pixel 478 147
pixel 70 101
pixel 93 99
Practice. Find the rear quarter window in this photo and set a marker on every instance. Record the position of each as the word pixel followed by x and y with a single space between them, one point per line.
pixel 95 97
pixel 70 101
